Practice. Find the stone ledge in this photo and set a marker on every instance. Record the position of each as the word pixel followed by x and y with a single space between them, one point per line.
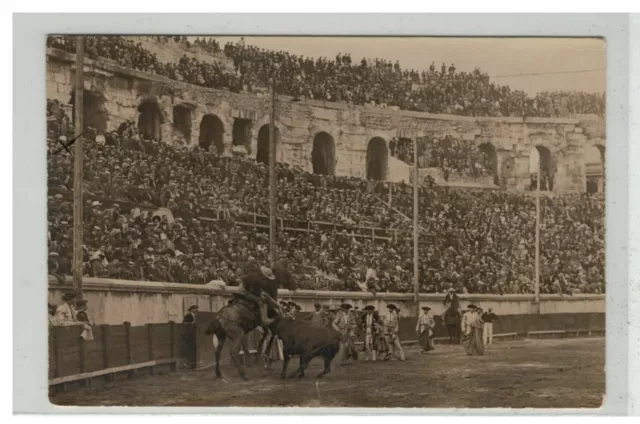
pixel 153 287
pixel 120 70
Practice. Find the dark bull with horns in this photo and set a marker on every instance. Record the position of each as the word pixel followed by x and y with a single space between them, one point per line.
pixel 254 306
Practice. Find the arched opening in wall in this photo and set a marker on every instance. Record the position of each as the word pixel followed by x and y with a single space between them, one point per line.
pixel 182 121
pixel 262 155
pixel 323 155
pixel 377 159
pixel 540 159
pixel 242 133
pixel 150 121
pixel 488 161
pixel 594 169
pixel 212 132
pixel 94 111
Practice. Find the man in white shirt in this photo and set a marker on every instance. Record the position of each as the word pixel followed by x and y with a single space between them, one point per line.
pixel 66 313
pixel 370 320
pixel 391 329
pixel 467 317
pixel 345 324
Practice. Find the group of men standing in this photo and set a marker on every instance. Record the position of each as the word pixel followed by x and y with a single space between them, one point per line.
pixel 381 331
pixel 72 311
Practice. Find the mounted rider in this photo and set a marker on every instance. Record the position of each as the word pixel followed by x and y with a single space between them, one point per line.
pixel 260 285
pixel 257 283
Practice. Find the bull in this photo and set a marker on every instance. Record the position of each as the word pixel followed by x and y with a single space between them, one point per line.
pixel 301 338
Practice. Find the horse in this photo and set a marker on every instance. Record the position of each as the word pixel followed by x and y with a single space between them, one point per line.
pixel 242 315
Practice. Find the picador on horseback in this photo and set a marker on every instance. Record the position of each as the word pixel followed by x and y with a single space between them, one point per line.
pixel 255 305
pixel 259 285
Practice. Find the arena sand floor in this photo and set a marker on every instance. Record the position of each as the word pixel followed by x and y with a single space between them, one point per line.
pixel 564 373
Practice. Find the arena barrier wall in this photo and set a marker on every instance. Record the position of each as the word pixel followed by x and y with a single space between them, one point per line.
pixel 116 351
pixel 121 351
pixel 144 302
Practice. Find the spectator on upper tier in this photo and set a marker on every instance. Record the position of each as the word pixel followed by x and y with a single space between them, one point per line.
pixel 343 80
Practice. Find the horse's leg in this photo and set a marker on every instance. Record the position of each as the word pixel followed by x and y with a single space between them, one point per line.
pixel 261 347
pixel 267 355
pixel 221 339
pixel 245 350
pixel 235 355
pixel 272 337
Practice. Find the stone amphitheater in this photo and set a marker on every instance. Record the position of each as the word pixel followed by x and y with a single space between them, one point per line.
pixel 353 139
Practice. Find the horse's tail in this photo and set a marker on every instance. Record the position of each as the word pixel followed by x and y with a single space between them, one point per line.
pixel 213 328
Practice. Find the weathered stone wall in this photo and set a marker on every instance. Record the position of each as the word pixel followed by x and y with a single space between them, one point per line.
pixel 351 127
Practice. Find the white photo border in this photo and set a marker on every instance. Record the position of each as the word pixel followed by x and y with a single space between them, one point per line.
pixel 29 163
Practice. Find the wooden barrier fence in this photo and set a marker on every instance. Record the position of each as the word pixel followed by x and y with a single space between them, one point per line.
pixel 118 349
pixel 114 349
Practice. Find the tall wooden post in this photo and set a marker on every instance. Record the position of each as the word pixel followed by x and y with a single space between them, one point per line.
pixel 416 272
pixel 78 170
pixel 537 285
pixel 272 176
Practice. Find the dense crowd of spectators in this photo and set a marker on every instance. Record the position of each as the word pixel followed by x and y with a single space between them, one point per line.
pixel 484 239
pixel 487 240
pixel 443 90
pixel 449 154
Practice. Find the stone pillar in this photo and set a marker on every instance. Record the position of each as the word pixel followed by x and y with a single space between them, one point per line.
pixel 227 137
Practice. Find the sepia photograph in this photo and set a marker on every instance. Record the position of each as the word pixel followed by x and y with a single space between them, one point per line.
pixel 361 222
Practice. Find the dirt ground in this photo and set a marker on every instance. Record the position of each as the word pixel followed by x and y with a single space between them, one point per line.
pixel 519 374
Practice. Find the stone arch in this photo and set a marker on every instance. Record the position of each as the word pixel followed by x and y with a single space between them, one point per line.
pixel 377 159
pixel 94 110
pixel 594 168
pixel 211 132
pixel 262 154
pixel 150 120
pixel 489 159
pixel 323 155
pixel 541 158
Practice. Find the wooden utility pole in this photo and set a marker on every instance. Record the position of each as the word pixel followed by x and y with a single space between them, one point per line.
pixel 272 176
pixel 416 271
pixel 537 285
pixel 78 169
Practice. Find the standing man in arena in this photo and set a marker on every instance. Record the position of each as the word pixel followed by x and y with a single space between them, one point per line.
pixel 452 316
pixel 318 318
pixel 191 314
pixel 369 321
pixel 391 330
pixel 66 312
pixel 344 323
pixel 424 330
pixel 472 342
pixel 488 318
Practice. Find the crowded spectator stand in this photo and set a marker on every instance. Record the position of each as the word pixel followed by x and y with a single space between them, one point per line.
pixel 368 81
pixel 341 234
pixel 484 238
